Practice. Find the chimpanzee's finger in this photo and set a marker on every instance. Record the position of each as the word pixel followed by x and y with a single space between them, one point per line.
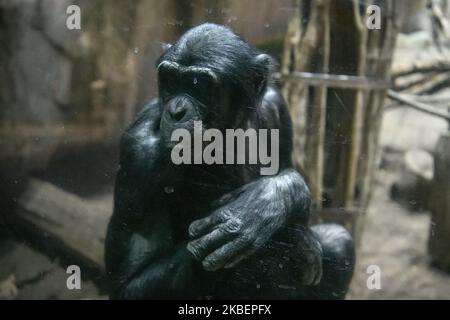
pixel 234 261
pixel 200 227
pixel 222 256
pixel 203 246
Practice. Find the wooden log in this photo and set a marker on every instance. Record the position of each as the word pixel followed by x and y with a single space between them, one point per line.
pixel 439 238
pixel 71 224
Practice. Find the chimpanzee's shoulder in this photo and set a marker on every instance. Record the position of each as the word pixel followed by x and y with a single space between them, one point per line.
pixel 274 110
pixel 150 114
pixel 146 122
pixel 274 96
pixel 140 141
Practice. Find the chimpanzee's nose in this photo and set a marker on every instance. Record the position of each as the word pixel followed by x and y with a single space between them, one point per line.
pixel 177 112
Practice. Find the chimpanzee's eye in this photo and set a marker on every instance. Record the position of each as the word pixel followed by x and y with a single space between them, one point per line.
pixel 200 87
pixel 167 83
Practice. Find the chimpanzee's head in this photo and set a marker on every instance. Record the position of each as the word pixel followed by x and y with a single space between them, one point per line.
pixel 211 75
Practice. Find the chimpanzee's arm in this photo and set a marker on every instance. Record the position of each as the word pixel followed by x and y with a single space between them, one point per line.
pixel 246 218
pixel 142 260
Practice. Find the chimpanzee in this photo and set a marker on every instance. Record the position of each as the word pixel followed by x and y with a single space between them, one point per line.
pixel 217 231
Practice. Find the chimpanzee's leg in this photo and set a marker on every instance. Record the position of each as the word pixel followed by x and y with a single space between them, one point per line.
pixel 338 262
pixel 283 266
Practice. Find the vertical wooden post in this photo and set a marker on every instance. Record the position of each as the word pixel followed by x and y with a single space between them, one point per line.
pixel 439 239
pixel 310 120
pixel 336 129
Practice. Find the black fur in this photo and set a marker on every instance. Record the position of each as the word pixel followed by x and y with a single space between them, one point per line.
pixel 220 231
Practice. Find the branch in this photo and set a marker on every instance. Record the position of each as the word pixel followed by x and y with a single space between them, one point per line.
pixel 417 105
pixel 421 67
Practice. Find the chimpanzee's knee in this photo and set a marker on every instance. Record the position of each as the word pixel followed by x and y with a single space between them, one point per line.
pixel 338 262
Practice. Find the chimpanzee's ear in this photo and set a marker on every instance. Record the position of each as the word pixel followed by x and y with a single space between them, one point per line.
pixel 265 65
pixel 165 46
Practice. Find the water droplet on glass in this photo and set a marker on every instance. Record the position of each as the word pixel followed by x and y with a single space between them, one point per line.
pixel 168 189
pixel 232 18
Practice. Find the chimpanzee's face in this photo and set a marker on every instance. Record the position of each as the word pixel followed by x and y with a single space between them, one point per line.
pixel 190 94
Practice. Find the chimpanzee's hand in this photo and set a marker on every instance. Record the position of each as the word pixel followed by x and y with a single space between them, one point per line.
pixel 242 221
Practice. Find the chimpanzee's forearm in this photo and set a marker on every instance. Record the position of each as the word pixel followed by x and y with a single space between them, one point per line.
pixel 294 195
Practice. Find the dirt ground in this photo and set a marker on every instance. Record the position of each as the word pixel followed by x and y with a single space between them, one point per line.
pixel 38 276
pixel 395 239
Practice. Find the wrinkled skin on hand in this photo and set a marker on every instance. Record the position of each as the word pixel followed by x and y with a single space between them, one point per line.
pixel 242 221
